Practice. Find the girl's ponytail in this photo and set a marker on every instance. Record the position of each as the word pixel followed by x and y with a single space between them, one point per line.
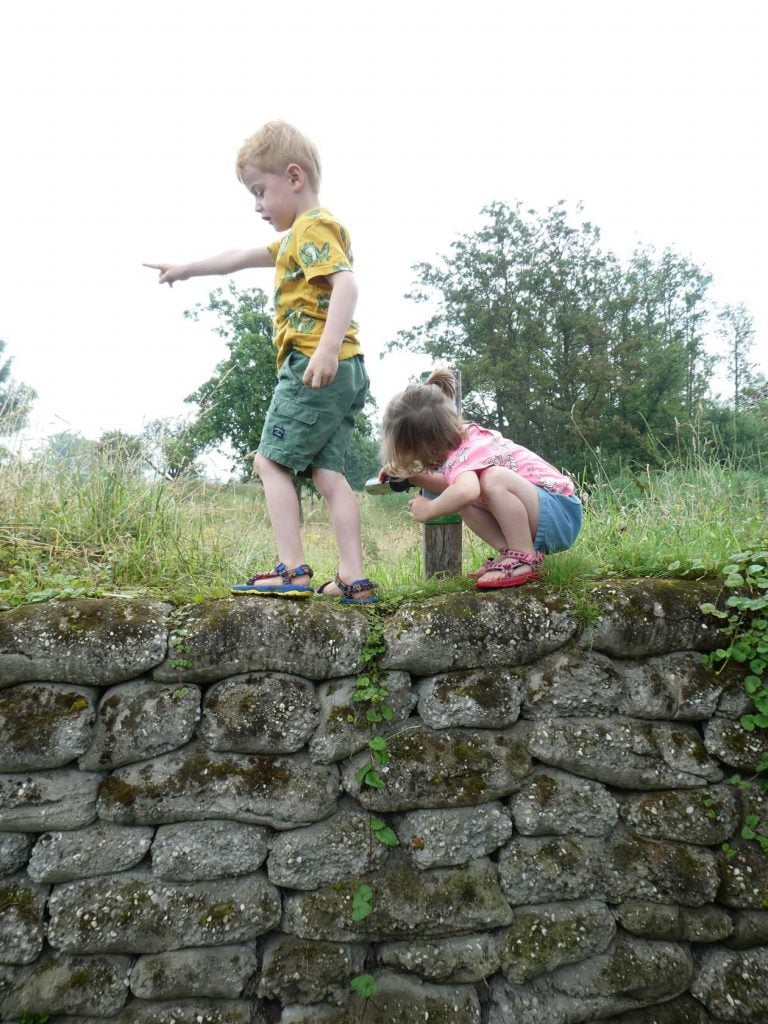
pixel 443 379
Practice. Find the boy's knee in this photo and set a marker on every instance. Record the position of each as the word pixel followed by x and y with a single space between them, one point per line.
pixel 328 480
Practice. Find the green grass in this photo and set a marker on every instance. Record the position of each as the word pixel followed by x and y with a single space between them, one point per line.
pixel 74 529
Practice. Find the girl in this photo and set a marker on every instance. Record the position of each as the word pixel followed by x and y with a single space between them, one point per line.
pixel 507 495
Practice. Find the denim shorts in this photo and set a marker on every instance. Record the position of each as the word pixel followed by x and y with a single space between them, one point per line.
pixel 311 427
pixel 559 521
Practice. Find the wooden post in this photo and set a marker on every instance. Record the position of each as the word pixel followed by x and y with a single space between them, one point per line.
pixel 441 538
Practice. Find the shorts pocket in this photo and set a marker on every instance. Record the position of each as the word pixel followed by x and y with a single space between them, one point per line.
pixel 293 411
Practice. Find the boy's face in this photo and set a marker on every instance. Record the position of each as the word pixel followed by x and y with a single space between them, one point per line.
pixel 276 195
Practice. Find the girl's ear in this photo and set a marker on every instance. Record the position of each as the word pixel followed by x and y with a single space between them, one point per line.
pixel 296 177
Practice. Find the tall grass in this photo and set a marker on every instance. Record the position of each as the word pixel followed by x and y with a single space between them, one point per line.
pixel 72 526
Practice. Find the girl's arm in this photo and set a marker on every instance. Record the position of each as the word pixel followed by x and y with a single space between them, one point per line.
pixel 465 490
pixel 223 263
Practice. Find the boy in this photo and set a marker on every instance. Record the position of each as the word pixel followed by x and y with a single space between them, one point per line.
pixel 322 383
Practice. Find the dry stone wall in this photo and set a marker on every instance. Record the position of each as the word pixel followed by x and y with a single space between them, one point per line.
pixel 184 832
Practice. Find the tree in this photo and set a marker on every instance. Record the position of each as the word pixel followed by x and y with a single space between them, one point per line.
pixel 738 333
pixel 558 343
pixel 15 399
pixel 233 402
pixel 169 448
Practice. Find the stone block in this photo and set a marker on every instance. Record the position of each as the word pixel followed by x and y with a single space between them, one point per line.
pixel 343 726
pixel 309 971
pixel 140 720
pixel 340 847
pixel 22 925
pixel 706 816
pixel 88 641
pixel 546 936
pixel 80 985
pixel 398 999
pixel 213 972
pixel 675 687
pixel 734 985
pixel 98 849
pixel 476 698
pixel 442 769
pixel 471 630
pixel 743 876
pixel 233 637
pixel 552 802
pixel 571 682
pixel 134 912
pixel 192 851
pixel 61 798
pixel 197 784
pixel 625 753
pixel 735 746
pixel 458 959
pixel 642 618
pixel 44 725
pixel 750 928
pixel 631 974
pixel 439 839
pixel 14 851
pixel 260 713
pixel 405 902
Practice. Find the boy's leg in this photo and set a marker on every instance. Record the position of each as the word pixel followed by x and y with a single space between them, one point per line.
pixel 345 519
pixel 284 515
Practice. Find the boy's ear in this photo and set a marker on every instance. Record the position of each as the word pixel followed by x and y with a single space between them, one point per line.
pixel 295 175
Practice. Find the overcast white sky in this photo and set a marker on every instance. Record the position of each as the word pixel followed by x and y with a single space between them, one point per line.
pixel 120 123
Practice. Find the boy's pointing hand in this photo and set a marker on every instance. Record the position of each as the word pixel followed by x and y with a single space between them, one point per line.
pixel 169 272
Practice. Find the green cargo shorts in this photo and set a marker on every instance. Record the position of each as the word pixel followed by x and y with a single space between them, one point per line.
pixel 311 427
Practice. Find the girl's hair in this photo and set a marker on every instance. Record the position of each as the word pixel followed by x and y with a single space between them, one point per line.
pixel 275 146
pixel 421 425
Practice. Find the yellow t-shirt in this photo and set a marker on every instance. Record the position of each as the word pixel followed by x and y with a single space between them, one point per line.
pixel 316 245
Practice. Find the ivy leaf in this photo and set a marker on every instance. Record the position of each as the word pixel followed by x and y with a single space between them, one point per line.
pixel 363 985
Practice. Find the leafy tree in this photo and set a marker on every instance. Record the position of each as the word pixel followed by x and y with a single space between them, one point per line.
pixel 233 403
pixel 15 399
pixel 738 333
pixel 560 346
pixel 169 448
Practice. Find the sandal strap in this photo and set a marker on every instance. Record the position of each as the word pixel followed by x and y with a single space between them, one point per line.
pixel 356 587
pixel 532 558
pixel 282 570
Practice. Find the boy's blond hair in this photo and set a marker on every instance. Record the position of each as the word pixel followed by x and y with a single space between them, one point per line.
pixel 275 146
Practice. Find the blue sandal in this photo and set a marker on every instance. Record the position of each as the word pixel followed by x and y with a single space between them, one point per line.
pixel 349 589
pixel 285 589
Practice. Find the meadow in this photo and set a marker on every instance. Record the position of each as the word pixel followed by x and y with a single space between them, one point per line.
pixel 72 527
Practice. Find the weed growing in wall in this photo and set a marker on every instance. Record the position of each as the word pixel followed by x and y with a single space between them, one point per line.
pixel 370 690
pixel 745 626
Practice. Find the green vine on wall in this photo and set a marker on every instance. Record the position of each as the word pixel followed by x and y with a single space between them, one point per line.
pixel 372 691
pixel 745 627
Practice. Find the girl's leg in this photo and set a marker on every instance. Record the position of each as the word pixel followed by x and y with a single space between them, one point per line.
pixel 345 519
pixel 284 514
pixel 513 504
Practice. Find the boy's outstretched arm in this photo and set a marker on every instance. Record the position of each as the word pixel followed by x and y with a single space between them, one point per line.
pixel 223 263
pixel 324 362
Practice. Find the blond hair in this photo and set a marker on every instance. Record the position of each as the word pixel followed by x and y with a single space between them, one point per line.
pixel 275 146
pixel 421 425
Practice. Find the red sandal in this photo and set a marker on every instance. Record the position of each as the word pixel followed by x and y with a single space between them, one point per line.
pixel 506 564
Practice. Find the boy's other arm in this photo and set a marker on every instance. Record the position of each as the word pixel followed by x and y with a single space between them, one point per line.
pixel 324 361
pixel 223 263
pixel 464 490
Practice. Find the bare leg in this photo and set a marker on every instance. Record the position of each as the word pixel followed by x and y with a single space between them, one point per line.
pixel 345 519
pixel 283 509
pixel 513 503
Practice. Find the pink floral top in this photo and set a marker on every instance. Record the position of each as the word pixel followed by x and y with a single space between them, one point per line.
pixel 482 448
